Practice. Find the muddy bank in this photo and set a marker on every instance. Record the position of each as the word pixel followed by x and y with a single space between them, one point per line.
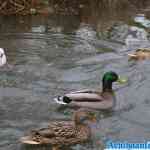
pixel 66 7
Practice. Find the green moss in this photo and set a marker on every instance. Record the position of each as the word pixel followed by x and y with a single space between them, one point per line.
pixel 132 23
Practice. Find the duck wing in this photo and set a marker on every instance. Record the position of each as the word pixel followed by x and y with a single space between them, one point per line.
pixel 56 129
pixel 85 96
pixel 64 129
pixel 67 134
pixel 56 133
pixel 92 100
pixel 81 95
pixel 83 91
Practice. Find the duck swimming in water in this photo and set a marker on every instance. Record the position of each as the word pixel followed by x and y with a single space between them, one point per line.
pixel 63 133
pixel 140 54
pixel 92 98
pixel 3 59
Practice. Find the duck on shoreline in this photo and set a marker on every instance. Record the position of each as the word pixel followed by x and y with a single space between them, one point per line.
pixel 63 133
pixel 92 98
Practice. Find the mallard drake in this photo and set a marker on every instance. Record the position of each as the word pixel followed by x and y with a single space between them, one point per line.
pixel 63 133
pixel 93 98
pixel 140 54
pixel 3 60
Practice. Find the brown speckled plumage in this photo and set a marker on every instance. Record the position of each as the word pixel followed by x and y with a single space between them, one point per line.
pixel 61 133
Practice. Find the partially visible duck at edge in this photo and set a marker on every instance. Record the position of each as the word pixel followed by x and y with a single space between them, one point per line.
pixel 3 60
pixel 140 54
pixel 94 99
pixel 63 133
pixel 4 65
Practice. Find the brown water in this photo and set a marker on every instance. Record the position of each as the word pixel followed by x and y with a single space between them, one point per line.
pixel 53 55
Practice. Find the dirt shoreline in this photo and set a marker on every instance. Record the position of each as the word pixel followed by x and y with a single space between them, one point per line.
pixel 75 7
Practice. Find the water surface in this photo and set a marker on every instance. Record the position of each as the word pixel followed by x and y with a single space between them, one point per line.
pixel 56 54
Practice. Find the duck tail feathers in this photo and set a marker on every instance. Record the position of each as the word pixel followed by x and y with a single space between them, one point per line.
pixel 62 100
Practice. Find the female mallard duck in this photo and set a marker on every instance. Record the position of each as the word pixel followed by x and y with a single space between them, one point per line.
pixel 93 99
pixel 140 54
pixel 63 133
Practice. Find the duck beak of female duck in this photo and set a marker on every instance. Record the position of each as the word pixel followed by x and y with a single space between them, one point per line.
pixel 132 55
pixel 122 80
pixel 27 140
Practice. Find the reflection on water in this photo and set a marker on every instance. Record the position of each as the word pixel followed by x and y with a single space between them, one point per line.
pixel 54 55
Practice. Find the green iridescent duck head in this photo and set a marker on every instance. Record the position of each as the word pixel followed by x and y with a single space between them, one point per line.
pixel 109 78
